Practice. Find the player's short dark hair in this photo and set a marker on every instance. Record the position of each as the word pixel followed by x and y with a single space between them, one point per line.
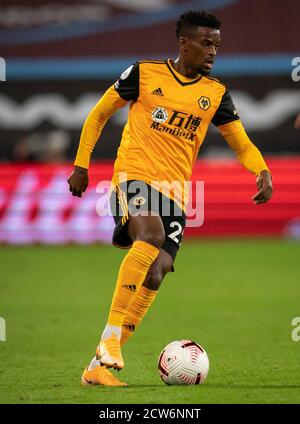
pixel 193 19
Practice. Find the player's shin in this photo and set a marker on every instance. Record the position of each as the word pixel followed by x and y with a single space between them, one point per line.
pixel 132 274
pixel 136 312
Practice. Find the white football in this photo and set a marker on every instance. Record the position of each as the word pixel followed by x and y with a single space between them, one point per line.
pixel 183 362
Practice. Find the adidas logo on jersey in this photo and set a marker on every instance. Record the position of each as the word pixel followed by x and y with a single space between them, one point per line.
pixel 158 92
pixel 131 287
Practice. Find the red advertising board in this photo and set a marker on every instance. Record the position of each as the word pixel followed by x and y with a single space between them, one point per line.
pixel 36 206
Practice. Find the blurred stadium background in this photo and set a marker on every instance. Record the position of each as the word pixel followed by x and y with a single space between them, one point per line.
pixel 60 56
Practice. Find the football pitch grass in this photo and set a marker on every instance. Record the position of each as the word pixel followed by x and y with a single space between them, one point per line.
pixel 236 298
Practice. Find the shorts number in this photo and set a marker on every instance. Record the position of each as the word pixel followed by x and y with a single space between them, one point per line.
pixel 173 235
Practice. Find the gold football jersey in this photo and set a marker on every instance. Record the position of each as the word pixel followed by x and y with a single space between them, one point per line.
pixel 167 122
pixel 168 119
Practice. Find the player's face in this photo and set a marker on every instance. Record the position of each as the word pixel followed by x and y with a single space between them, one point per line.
pixel 200 49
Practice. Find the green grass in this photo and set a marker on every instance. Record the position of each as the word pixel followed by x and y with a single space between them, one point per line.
pixel 236 298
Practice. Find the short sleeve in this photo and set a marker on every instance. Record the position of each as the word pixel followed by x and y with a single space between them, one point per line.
pixel 127 86
pixel 226 111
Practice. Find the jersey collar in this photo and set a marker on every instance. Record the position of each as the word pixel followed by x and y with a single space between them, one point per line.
pixel 180 78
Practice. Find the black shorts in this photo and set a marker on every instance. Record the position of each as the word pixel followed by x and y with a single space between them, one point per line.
pixel 136 197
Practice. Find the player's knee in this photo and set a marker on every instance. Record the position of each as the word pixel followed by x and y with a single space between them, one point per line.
pixel 156 238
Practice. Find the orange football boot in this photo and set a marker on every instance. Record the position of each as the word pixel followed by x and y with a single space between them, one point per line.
pixel 109 352
pixel 100 376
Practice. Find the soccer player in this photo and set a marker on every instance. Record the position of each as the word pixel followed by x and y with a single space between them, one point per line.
pixel 172 103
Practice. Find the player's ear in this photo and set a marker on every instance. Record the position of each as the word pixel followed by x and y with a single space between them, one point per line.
pixel 182 42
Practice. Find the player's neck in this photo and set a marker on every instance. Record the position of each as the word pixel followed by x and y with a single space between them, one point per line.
pixel 184 70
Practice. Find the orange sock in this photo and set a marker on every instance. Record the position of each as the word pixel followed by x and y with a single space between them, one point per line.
pixel 136 312
pixel 132 274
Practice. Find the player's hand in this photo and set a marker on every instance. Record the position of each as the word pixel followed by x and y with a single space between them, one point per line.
pixel 265 187
pixel 78 181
